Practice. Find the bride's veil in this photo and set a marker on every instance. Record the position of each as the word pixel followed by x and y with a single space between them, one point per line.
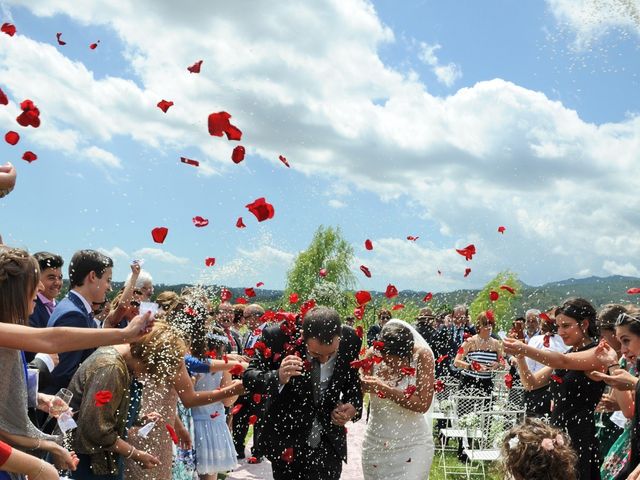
pixel 418 341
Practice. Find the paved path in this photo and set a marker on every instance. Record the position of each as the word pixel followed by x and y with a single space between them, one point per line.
pixel 351 471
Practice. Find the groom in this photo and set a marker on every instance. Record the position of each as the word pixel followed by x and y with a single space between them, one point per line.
pixel 313 392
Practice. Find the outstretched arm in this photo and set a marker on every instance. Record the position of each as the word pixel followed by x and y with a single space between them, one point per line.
pixel 191 398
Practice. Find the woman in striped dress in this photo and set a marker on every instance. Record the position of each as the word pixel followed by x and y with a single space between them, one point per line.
pixel 478 356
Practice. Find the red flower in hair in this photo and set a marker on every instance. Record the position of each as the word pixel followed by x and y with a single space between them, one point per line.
pixel 261 209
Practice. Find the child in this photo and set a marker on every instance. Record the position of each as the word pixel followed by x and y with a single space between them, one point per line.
pixel 213 442
pixel 534 450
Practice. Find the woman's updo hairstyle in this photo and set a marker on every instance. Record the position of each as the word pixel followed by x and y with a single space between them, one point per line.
pixel 397 339
pixel 580 309
pixel 534 450
pixel 19 279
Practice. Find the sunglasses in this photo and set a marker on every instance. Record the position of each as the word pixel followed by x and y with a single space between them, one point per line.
pixel 625 317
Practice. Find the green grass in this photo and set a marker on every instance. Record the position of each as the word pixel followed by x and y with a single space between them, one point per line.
pixel 436 473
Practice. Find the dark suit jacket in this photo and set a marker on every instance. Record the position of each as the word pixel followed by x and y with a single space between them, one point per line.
pixel 38 319
pixel 372 334
pixel 70 312
pixel 290 413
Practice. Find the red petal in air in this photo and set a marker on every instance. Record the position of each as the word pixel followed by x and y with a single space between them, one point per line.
pixel 233 133
pixel 467 252
pixel 172 434
pixel 29 156
pixel 188 161
pixel 238 154
pixel 261 209
pixel 378 345
pixel 236 408
pixel 493 295
pixel 368 244
pixel 284 160
pixel 508 380
pixel 412 238
pixel 362 297
pixel 427 297
pixel 465 335
pixel 195 68
pixel 397 306
pixel 200 222
pixel 557 379
pixel 476 366
pixel 545 340
pixel 442 358
pixel 287 456
pixel 240 223
pixel 358 312
pixel 241 301
pixel 3 98
pixel 391 291
pixel 253 419
pixel 438 386
pixel 215 415
pixel 60 41
pixel 410 371
pixel 365 270
pixel 461 351
pixel 501 229
pixel 102 397
pixel 259 284
pixel 93 46
pixel 323 272
pixel 293 298
pixel 490 316
pixel 210 261
pixel 236 369
pixel 159 234
pixel 509 289
pixel 12 137
pixel 439 272
pixel 30 115
pixel 546 318
pixel 633 291
pixel 165 105
pixel 360 331
pixel 467 271
pixel 218 123
pixel 8 28
pixel 250 292
pixel 410 390
pixel 257 398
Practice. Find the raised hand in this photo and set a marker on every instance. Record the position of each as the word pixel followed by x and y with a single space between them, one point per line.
pixel 513 346
pixel 139 326
pixel 291 366
pixel 620 379
pixel 606 355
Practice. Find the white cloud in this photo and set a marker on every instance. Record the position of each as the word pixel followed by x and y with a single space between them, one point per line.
pixel 446 74
pixel 492 153
pixel 160 255
pixel 615 268
pixel 335 203
pixel 101 157
pixel 114 253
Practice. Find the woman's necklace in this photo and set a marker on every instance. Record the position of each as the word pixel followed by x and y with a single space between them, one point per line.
pixel 483 342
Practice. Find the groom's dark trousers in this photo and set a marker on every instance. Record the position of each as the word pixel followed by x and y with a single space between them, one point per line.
pixel 320 463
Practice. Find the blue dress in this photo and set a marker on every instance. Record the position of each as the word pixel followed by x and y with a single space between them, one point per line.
pixel 214 445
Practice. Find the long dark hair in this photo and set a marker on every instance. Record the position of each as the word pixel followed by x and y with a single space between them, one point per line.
pixel 580 309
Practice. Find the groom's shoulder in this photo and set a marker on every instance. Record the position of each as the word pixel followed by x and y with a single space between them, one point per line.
pixel 349 334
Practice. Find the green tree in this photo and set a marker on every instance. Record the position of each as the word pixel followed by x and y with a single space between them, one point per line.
pixel 329 251
pixel 503 307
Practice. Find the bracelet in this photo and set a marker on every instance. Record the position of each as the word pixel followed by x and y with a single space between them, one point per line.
pixel 133 449
pixel 37 447
pixel 43 464
pixel 613 365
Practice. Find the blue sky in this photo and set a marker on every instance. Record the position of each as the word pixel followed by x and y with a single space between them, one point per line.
pixel 442 120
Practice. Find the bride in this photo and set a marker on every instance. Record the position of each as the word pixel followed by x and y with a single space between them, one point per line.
pixel 398 441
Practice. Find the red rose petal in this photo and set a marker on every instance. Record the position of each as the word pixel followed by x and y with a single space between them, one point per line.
pixel 358 312
pixel 410 390
pixel 29 156
pixel 236 369
pixel 172 434
pixel 60 41
pixel 225 295
pixel 508 380
pixel 380 394
pixel 546 318
pixel 377 345
pixel 240 223
pixel 397 306
pixel 490 316
pixel 467 271
pixel 427 297
pixel 261 209
pixel 412 238
pixel 233 133
pixel 391 291
pixel 493 295
pixel 159 234
pixel 241 301
pixel 3 98
pixel 215 414
pixel 368 244
pixel 257 398
pixel 410 371
pixel 362 297
pixel 195 68
pixel 93 46
pixel 442 358
pixel 218 123
pixel 236 408
pixel 476 366
pixel 360 331
pixel 259 284
pixel 188 161
pixel 210 261
pixel 253 419
pixel 545 340
pixel 438 386
pixel 287 456
pixel 467 252
pixel 165 105
pixel 322 272
pixel 102 397
pixel 365 270
pixel 252 460
pixel 284 160
pixel 200 221
pixel 293 298
pixel 30 115
pixel 238 154
pixel 557 379
pixel 501 229
pixel 633 291
pixel 8 28
pixel 12 137
pixel 465 335
pixel 461 351
pixel 250 292
pixel 509 289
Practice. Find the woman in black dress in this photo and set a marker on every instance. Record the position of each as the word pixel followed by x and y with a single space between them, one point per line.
pixel 575 393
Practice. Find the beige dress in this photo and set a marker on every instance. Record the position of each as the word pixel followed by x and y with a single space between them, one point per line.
pixel 162 399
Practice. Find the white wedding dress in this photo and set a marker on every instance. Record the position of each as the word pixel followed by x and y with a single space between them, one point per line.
pixel 398 443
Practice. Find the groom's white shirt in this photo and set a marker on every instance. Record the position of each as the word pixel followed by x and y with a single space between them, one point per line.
pixel 326 371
